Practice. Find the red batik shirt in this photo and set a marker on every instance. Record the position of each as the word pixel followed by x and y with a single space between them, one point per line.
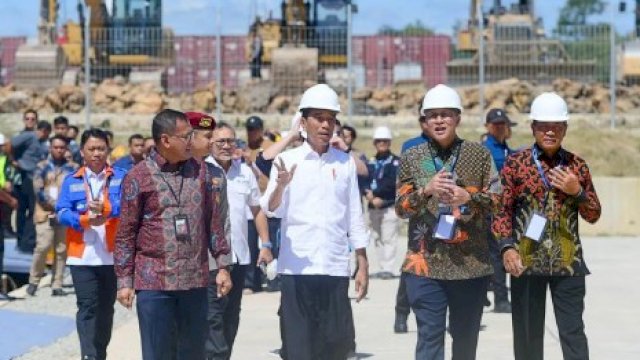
pixel 148 256
pixel 559 251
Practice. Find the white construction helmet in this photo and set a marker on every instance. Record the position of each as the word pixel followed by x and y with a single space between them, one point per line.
pixel 441 97
pixel 382 133
pixel 549 107
pixel 320 96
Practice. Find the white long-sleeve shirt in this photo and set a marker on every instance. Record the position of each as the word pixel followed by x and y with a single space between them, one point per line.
pixel 320 210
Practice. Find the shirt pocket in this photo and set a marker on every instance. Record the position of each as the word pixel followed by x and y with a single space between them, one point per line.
pixel 78 201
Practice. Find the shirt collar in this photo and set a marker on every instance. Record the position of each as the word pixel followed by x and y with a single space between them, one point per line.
pixel 91 174
pixel 163 164
pixel 560 155
pixel 441 151
pixel 235 164
pixel 492 140
pixel 310 153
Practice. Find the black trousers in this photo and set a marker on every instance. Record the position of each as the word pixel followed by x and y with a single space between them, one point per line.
pixel 1 249
pixel 95 288
pixel 499 278
pixel 26 228
pixel 5 217
pixel 173 324
pixel 402 300
pixel 315 317
pixel 223 316
pixel 254 276
pixel 528 299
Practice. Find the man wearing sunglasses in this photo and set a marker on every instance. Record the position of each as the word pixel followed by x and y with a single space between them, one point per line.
pixel 446 189
pixel 546 190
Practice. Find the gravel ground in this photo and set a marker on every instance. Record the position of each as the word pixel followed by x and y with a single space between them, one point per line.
pixel 68 346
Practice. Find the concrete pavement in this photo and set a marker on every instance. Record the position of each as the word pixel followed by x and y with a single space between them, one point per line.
pixel 611 317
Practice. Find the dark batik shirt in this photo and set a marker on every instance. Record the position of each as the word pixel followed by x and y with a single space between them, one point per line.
pixel 467 255
pixel 560 251
pixel 148 256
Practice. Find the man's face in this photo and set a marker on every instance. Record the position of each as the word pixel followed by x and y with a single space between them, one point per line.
pixel 57 149
pixel 499 130
pixel 441 124
pixel 319 125
pixel 30 119
pixel 43 134
pixel 224 144
pixel 201 143
pixel 347 136
pixel 148 145
pixel 549 135
pixel 254 136
pixel 382 145
pixel 179 143
pixel 71 133
pixel 95 152
pixel 61 129
pixel 136 149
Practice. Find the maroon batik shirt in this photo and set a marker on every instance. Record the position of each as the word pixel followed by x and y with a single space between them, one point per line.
pixel 148 256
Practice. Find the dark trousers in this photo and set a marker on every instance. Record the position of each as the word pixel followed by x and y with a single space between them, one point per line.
pixel 223 316
pixel 315 317
pixel 499 278
pixel 26 228
pixel 95 288
pixel 5 217
pixel 256 66
pixel 173 324
pixel 528 299
pixel 402 300
pixel 430 299
pixel 254 276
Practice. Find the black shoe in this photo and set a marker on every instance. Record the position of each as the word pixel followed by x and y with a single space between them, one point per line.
pixel 31 289
pixel 400 326
pixel 58 292
pixel 5 297
pixel 502 307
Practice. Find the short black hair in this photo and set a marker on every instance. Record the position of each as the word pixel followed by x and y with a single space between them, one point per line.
pixel 93 133
pixel 225 125
pixel 59 137
pixel 43 125
pixel 74 128
pixel 165 123
pixel 60 120
pixel 135 137
pixel 350 129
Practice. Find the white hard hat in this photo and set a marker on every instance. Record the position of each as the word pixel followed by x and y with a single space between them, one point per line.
pixel 320 96
pixel 2 139
pixel 382 133
pixel 549 107
pixel 441 97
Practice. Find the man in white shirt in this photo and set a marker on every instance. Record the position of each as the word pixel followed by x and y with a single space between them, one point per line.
pixel 314 189
pixel 242 192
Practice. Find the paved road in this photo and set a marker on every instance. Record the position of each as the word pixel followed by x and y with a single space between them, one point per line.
pixel 612 313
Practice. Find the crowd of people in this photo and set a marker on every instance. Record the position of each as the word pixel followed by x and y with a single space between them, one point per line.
pixel 193 218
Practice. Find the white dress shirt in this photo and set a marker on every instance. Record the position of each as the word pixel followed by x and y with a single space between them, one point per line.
pixel 95 241
pixel 320 210
pixel 242 192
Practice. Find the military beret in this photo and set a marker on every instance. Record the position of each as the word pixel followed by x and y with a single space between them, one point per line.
pixel 200 121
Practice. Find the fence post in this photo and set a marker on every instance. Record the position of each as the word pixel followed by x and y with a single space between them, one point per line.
pixel 612 65
pixel 481 58
pixel 219 63
pixel 350 76
pixel 87 67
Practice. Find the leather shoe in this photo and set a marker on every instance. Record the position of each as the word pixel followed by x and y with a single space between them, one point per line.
pixel 31 289
pixel 58 292
pixel 400 326
pixel 502 307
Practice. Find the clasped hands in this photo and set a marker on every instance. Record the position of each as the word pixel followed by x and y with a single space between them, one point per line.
pixel 444 188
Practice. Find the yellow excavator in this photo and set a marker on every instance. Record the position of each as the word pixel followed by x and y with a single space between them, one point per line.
pixel 629 55
pixel 126 38
pixel 515 45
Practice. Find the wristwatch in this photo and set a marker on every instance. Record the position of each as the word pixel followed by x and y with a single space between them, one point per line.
pixel 266 245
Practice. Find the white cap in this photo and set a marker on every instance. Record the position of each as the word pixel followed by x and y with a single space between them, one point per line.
pixel 320 96
pixel 441 97
pixel 382 133
pixel 549 107
pixel 2 139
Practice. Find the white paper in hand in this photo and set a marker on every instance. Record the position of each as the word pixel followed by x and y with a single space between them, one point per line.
pixel 536 227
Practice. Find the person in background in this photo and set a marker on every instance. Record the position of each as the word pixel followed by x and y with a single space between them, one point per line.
pixel 50 233
pixel 546 190
pixel 498 127
pixel 74 147
pixel 381 196
pixel 148 145
pixel 89 206
pixel 27 152
pixel 136 153
pixel 9 179
pixel 420 139
pixel 61 126
pixel 349 135
pixel 256 55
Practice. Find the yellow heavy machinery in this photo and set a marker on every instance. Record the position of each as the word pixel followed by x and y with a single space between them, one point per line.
pixel 308 40
pixel 629 55
pixel 126 38
pixel 515 45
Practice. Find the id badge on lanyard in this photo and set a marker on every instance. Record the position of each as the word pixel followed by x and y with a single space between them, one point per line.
pixel 538 221
pixel 181 227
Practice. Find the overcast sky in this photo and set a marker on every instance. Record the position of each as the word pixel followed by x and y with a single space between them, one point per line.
pixel 198 17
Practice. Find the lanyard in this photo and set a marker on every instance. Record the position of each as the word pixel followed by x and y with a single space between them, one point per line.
pixel 178 196
pixel 535 152
pixel 379 167
pixel 438 164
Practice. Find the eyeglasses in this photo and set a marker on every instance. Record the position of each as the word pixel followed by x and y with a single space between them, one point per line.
pixel 29 118
pixel 186 136
pixel 228 141
pixel 446 115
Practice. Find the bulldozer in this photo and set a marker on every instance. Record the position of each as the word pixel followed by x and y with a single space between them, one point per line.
pixel 307 42
pixel 515 45
pixel 126 39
